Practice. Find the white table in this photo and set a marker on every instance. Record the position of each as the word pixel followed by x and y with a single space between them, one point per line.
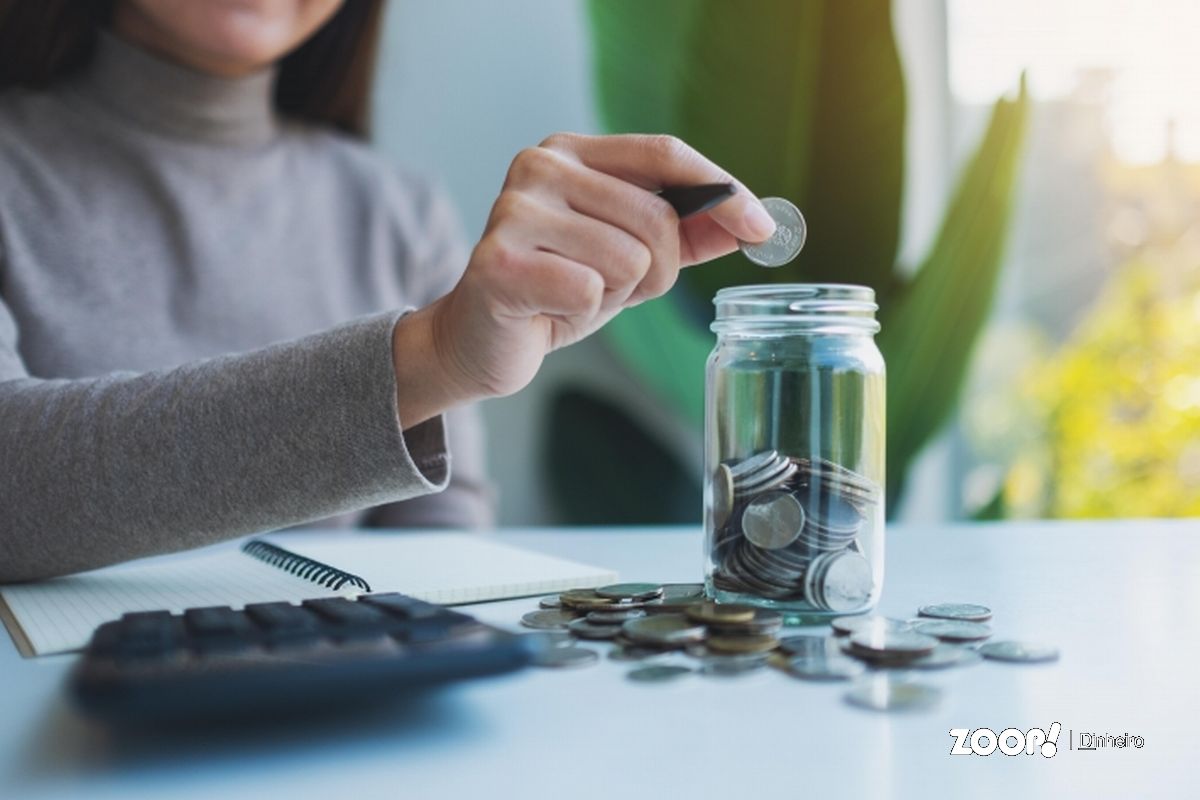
pixel 1122 600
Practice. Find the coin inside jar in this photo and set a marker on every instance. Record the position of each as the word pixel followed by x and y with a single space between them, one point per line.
pixel 787 241
pixel 773 520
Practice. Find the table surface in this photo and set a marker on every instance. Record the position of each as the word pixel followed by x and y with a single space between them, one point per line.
pixel 1121 600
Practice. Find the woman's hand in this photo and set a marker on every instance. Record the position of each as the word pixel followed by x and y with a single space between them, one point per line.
pixel 576 235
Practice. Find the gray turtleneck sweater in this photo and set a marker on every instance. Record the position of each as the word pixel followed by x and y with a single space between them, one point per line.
pixel 196 306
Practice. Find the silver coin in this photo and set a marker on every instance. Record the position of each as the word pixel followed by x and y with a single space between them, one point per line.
pixel 845 582
pixel 565 657
pixel 630 591
pixel 753 463
pixel 971 612
pixel 553 601
pixel 658 673
pixel 682 591
pixel 722 495
pixel 788 239
pixel 548 619
pixel 773 520
pixel 663 630
pixel 953 630
pixel 547 639
pixel 1023 652
pixel 885 692
pixel 824 667
pixel 614 617
pixel 590 630
pixel 892 643
pixel 945 655
pixel 844 626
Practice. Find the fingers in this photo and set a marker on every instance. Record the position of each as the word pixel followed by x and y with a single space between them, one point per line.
pixel 527 282
pixel 653 162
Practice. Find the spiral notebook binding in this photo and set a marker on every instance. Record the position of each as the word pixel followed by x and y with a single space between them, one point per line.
pixel 302 566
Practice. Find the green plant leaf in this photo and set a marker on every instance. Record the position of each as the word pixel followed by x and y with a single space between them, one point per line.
pixel 605 469
pixel 931 327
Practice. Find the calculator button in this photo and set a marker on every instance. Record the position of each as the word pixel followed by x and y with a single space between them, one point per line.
pixel 145 633
pixel 347 613
pixel 401 606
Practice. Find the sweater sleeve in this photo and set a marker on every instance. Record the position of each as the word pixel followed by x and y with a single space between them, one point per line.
pixel 469 499
pixel 99 470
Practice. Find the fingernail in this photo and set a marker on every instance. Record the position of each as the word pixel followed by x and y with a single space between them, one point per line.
pixel 760 223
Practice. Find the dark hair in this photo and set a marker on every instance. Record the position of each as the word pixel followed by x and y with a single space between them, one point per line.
pixel 325 80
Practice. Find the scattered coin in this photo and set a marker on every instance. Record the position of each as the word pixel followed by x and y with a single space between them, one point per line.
pixel 658 673
pixel 544 639
pixel 548 618
pixel 824 667
pixel 720 614
pixel 787 241
pixel 966 611
pixel 885 692
pixel 589 600
pixel 630 591
pixel 844 626
pixel 765 621
pixel 614 617
pixel 945 655
pixel 663 630
pixel 550 602
pixel 896 644
pixel 1023 652
pixel 750 643
pixel 565 657
pixel 586 629
pixel 953 630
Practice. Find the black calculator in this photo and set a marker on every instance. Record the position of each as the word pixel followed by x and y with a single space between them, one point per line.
pixel 218 663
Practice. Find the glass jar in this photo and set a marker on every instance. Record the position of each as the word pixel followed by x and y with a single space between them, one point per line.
pixel 794 450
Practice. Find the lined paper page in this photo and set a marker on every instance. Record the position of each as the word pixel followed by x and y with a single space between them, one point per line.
pixel 59 615
pixel 445 567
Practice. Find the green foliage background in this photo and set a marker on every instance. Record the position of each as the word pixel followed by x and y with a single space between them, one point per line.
pixel 802 99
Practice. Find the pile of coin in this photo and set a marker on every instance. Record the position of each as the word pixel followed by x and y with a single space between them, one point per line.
pixel 786 528
pixel 645 621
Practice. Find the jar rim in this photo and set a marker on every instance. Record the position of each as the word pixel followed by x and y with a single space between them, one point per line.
pixel 811 307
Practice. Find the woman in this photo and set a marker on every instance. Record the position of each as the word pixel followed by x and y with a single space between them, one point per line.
pixel 205 274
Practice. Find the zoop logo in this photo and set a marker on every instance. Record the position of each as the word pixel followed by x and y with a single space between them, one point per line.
pixel 1010 741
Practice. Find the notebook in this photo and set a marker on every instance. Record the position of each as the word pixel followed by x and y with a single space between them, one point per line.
pixel 59 615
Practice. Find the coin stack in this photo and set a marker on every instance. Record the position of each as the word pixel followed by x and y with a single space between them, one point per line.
pixel 786 528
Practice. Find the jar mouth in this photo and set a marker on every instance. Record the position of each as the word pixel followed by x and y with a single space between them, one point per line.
pixel 810 307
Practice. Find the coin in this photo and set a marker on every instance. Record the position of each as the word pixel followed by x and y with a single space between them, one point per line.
pixel 824 667
pixel 658 673
pixel 722 495
pixel 891 643
pixel 585 629
pixel 614 617
pixel 945 655
pixel 565 657
pixel 588 600
pixel 968 611
pixel 663 630
pixel 553 601
pixel 547 618
pixel 765 621
pixel 718 613
pixel 840 581
pixel 682 591
pixel 630 591
pixel 1023 652
pixel 884 692
pixel 748 643
pixel 785 244
pixel 548 638
pixel 953 630
pixel 844 626
pixel 753 464
pixel 773 520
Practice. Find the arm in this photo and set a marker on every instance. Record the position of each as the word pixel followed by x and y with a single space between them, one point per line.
pixel 104 469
